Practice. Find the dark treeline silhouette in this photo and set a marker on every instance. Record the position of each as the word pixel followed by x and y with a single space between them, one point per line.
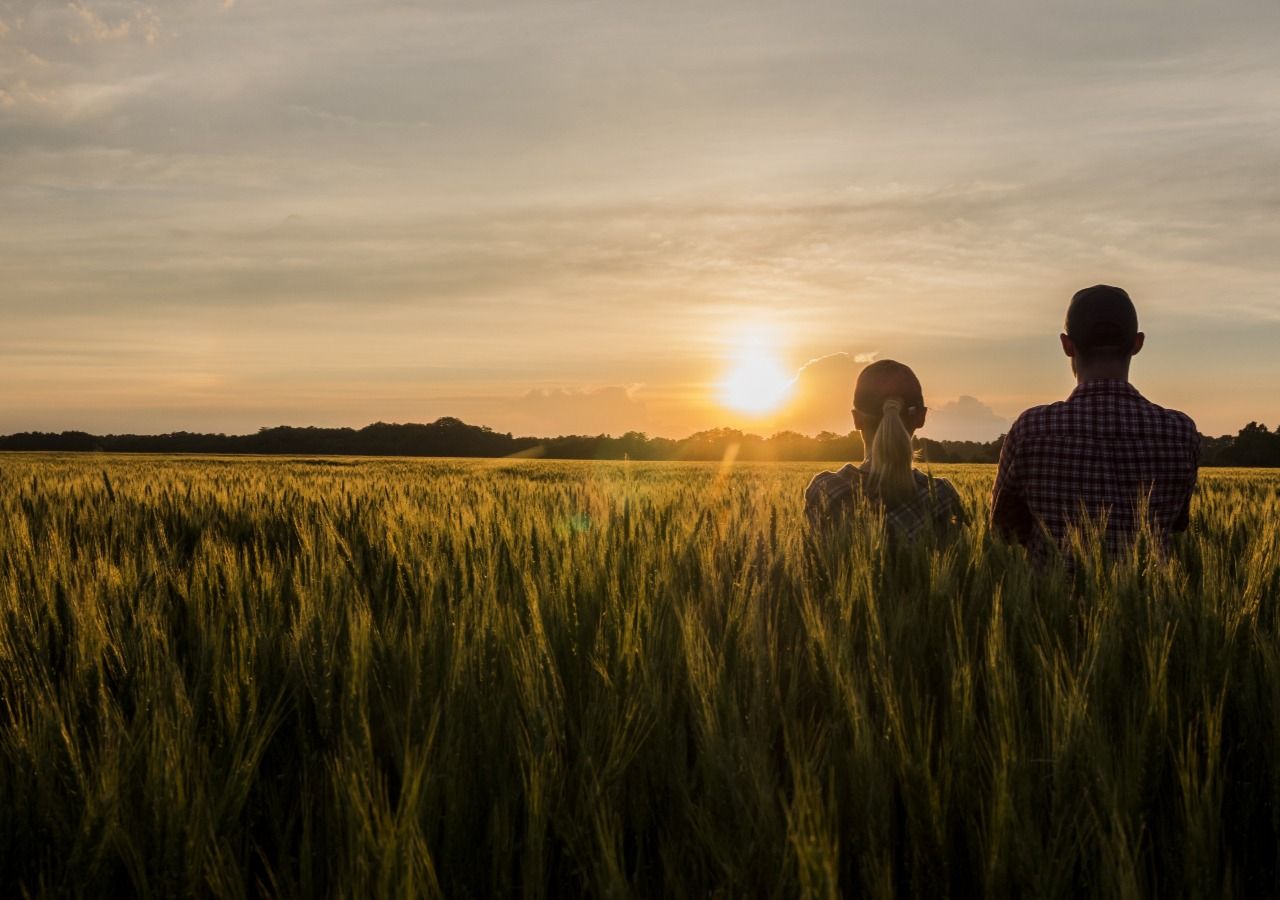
pixel 1254 445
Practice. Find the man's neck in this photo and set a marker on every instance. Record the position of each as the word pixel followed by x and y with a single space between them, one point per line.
pixel 1102 373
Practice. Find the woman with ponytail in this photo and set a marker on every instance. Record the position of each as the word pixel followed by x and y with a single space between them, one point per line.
pixel 888 407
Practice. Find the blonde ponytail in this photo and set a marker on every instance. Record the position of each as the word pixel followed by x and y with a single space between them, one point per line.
pixel 891 456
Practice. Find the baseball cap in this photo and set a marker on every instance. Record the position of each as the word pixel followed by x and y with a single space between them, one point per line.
pixel 1102 317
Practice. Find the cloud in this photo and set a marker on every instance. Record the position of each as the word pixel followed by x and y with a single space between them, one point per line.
pixel 549 412
pixel 822 394
pixel 964 419
pixel 95 28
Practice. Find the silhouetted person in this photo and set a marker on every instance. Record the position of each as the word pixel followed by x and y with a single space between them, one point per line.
pixel 1105 451
pixel 888 407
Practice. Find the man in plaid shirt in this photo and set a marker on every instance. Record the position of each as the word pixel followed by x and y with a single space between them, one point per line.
pixel 1106 452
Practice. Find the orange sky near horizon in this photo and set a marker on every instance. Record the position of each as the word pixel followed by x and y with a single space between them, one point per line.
pixel 563 217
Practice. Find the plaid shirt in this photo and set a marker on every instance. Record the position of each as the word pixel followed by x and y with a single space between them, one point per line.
pixel 834 495
pixel 1102 451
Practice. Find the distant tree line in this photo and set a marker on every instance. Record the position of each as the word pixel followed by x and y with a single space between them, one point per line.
pixel 1254 445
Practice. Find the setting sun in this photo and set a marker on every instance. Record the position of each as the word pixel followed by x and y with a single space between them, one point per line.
pixel 757 383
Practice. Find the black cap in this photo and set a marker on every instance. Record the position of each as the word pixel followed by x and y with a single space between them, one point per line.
pixel 1102 317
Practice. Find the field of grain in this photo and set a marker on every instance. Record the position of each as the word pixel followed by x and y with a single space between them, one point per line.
pixel 325 677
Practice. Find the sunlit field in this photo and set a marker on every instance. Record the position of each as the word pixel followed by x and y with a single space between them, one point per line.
pixel 326 677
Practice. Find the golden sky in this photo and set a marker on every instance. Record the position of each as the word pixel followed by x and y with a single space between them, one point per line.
pixel 569 217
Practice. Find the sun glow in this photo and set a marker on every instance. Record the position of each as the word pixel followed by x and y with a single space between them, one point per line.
pixel 757 383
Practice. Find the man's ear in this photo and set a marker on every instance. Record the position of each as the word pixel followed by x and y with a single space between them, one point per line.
pixel 919 418
pixel 859 421
pixel 1137 343
pixel 1068 345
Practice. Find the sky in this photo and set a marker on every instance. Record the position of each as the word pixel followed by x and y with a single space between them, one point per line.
pixel 555 217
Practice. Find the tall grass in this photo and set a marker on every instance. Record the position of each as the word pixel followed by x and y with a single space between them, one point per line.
pixel 406 678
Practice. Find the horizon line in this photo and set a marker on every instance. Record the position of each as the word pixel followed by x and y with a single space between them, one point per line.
pixel 514 436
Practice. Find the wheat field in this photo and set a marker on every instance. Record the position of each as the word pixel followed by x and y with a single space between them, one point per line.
pixel 399 678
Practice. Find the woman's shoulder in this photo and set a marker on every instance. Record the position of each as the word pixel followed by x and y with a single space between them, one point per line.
pixel 936 485
pixel 935 480
pixel 829 483
pixel 943 498
pixel 831 491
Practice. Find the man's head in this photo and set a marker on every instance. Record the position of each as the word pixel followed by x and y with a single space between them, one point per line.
pixel 1101 332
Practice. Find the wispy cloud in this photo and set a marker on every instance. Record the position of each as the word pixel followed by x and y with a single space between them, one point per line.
pixel 94 28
